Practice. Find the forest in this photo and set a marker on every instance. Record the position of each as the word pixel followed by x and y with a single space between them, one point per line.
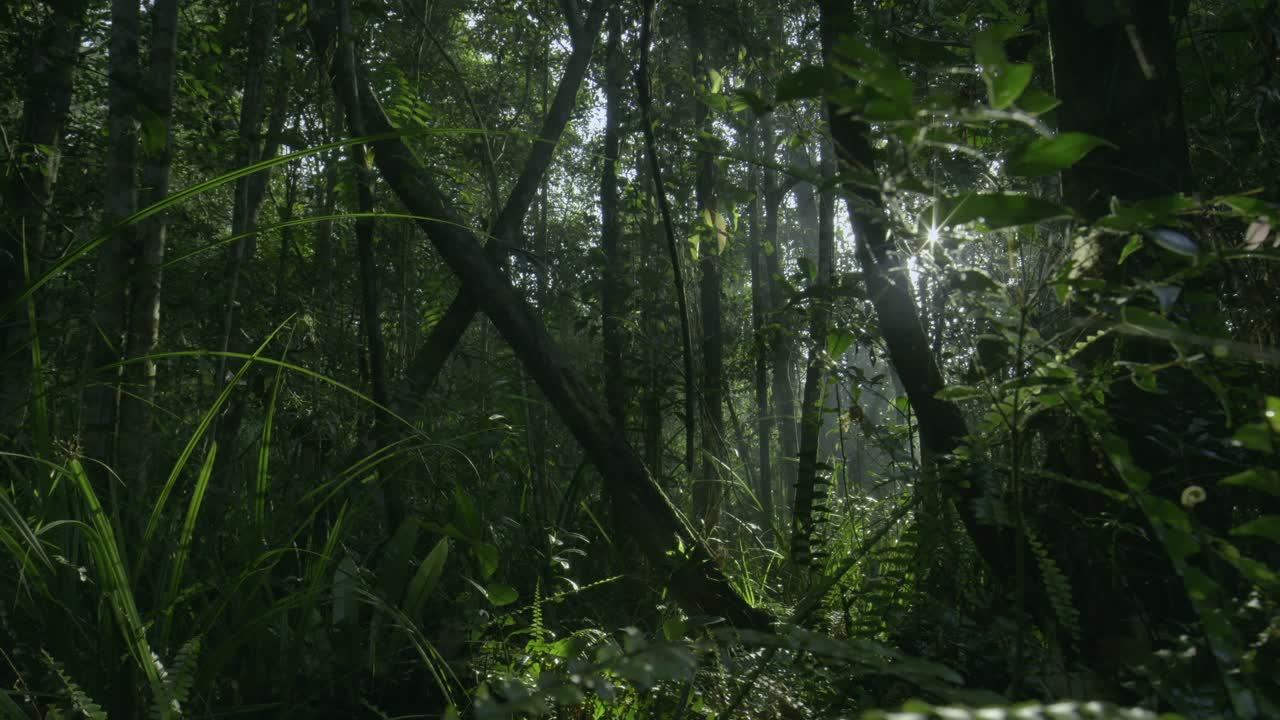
pixel 867 359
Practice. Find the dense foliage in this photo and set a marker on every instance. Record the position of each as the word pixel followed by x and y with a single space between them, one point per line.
pixel 597 359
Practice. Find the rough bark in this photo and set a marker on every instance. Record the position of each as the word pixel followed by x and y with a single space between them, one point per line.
pixel 651 521
pixel 28 191
pixel 673 247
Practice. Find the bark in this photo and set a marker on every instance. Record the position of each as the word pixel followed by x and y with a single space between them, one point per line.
pixel 110 313
pixel 144 283
pixel 941 425
pixel 613 290
pixel 651 521
pixel 245 211
pixel 708 490
pixel 1117 75
pixel 780 340
pixel 387 492
pixel 811 489
pixel 429 361
pixel 673 248
pixel 759 307
pixel 28 191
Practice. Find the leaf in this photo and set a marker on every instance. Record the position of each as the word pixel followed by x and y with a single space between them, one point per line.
pixel 995 210
pixel 1131 247
pixel 500 594
pixel 1005 80
pixel 807 82
pixel 717 81
pixel 1166 295
pixel 1262 480
pixel 1267 526
pixel 838 343
pixel 958 392
pixel 749 99
pixel 972 280
pixel 465 516
pixel 1256 235
pixel 1046 156
pixel 1174 242
pixel 1145 319
pixel 487 556
pixel 426 578
pixel 1254 436
pixel 673 629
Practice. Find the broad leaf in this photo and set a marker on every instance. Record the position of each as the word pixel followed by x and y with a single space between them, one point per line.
pixel 995 210
pixel 1046 156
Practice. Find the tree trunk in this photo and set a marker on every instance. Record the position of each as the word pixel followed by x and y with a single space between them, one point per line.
pixel 759 307
pixel 811 490
pixel 613 289
pixel 111 297
pixel 426 365
pixel 941 425
pixel 144 284
pixel 708 489
pixel 651 520
pixel 45 104
pixel 673 247
pixel 780 340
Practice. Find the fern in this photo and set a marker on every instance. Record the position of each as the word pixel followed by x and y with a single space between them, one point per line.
pixel 81 703
pixel 178 680
pixel 1056 587
pixel 1025 711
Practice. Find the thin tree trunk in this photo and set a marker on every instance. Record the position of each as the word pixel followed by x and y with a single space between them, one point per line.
pixel 144 287
pixel 46 102
pixel 708 490
pixel 426 365
pixel 673 247
pixel 811 490
pixel 613 290
pixel 759 307
pixel 651 519
pixel 780 340
pixel 120 201
pixel 941 425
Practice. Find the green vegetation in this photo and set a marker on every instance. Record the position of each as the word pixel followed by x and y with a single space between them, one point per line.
pixel 890 359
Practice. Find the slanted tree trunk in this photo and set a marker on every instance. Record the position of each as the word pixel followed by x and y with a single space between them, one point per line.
pixel 811 489
pixel 941 425
pixel 708 489
pixel 144 283
pixel 613 282
pixel 651 520
pixel 426 365
pixel 29 189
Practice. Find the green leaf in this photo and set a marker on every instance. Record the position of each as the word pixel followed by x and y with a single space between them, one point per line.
pixel 995 210
pixel 1037 102
pixel 1005 86
pixel 1147 320
pixel 426 578
pixel 807 82
pixel 1254 436
pixel 1131 247
pixel 673 629
pixel 465 516
pixel 487 556
pixel 500 594
pixel 1046 156
pixel 1267 526
pixel 838 343
pixel 747 99
pixel 972 280
pixel 958 392
pixel 1260 479
pixel 1272 413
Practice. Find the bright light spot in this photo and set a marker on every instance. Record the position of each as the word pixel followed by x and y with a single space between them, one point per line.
pixel 933 236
